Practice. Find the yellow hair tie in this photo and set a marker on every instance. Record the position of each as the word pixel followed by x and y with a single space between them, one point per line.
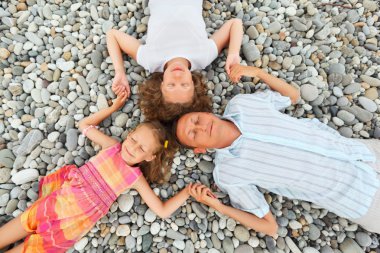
pixel 166 144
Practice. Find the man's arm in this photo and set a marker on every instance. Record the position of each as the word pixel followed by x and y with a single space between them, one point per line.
pixel 273 82
pixel 267 224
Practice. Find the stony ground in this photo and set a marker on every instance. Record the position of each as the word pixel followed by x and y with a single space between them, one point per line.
pixel 55 70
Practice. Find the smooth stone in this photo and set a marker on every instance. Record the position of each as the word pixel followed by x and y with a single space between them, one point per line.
pixel 102 102
pixel 309 92
pixel 370 5
pixel 228 245
pixel 72 139
pixel 175 235
pixel 274 27
pixel 123 230
pixel 346 116
pixel 30 141
pixel 352 88
pixel 155 228
pixel 32 37
pixel 81 244
pixel 206 166
pixel 125 202
pixel 323 33
pixel 93 75
pixel 24 176
pixel 150 216
pixel 370 80
pixel 5 175
pixel 367 104
pixel 360 114
pixel 310 250
pixel 292 246
pixel 350 246
pixel 179 244
pixel 363 239
pixel 130 242
pixel 314 232
pixel 199 210
pixel 241 233
pixel 337 68
pixel 65 65
pixel 250 51
pixel 6 159
pixel 189 247
pixel 244 248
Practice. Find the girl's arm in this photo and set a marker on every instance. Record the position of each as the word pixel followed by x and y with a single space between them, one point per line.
pixel 231 34
pixel 162 209
pixel 117 42
pixel 276 84
pixel 93 120
pixel 267 224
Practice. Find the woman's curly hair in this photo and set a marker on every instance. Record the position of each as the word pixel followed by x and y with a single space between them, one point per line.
pixel 154 107
pixel 156 171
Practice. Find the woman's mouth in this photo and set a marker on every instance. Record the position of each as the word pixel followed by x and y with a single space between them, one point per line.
pixel 177 69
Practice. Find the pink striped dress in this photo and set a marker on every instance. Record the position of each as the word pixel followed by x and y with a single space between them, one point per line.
pixel 71 201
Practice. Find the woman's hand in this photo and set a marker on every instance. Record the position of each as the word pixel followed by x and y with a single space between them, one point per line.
pixel 232 59
pixel 119 101
pixel 237 71
pixel 203 195
pixel 120 84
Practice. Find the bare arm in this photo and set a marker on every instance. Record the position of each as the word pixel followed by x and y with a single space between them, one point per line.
pixel 267 224
pixel 273 82
pixel 162 209
pixel 93 120
pixel 117 42
pixel 231 34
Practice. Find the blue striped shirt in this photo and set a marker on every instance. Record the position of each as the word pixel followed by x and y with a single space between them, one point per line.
pixel 297 158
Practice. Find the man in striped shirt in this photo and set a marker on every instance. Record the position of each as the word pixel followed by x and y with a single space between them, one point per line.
pixel 258 146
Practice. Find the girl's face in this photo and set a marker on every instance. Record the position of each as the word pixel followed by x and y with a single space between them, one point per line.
pixel 177 85
pixel 140 145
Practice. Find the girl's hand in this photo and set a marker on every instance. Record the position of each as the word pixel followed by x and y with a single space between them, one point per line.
pixel 121 84
pixel 237 71
pixel 232 59
pixel 120 100
pixel 204 195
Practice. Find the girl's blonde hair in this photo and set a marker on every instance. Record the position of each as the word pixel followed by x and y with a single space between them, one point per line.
pixel 156 170
pixel 154 107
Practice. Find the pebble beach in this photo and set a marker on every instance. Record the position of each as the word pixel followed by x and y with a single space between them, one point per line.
pixel 55 70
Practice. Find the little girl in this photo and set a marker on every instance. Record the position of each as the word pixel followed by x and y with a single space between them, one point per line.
pixel 176 45
pixel 71 200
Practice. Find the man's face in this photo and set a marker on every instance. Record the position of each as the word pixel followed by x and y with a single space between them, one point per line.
pixel 200 130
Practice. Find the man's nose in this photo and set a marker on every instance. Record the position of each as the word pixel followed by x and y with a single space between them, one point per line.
pixel 200 127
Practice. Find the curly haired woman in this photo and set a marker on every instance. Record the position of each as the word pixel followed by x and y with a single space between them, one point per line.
pixel 176 46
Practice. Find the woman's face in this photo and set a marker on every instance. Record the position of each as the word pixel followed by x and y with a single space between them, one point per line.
pixel 177 85
pixel 140 145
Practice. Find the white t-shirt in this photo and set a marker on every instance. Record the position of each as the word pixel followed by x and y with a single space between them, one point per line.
pixel 176 29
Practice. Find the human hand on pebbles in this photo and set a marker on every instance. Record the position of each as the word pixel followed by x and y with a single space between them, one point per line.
pixel 120 100
pixel 237 71
pixel 231 60
pixel 120 84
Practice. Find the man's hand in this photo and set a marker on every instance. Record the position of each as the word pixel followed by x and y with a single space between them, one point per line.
pixel 203 195
pixel 237 71
pixel 120 84
pixel 120 100
pixel 232 59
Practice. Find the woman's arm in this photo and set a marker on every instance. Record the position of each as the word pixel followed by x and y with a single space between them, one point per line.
pixel 267 224
pixel 276 84
pixel 231 34
pixel 162 209
pixel 94 134
pixel 117 42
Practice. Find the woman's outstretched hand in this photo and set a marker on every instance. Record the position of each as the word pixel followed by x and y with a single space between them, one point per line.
pixel 121 84
pixel 237 71
pixel 203 195
pixel 231 60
